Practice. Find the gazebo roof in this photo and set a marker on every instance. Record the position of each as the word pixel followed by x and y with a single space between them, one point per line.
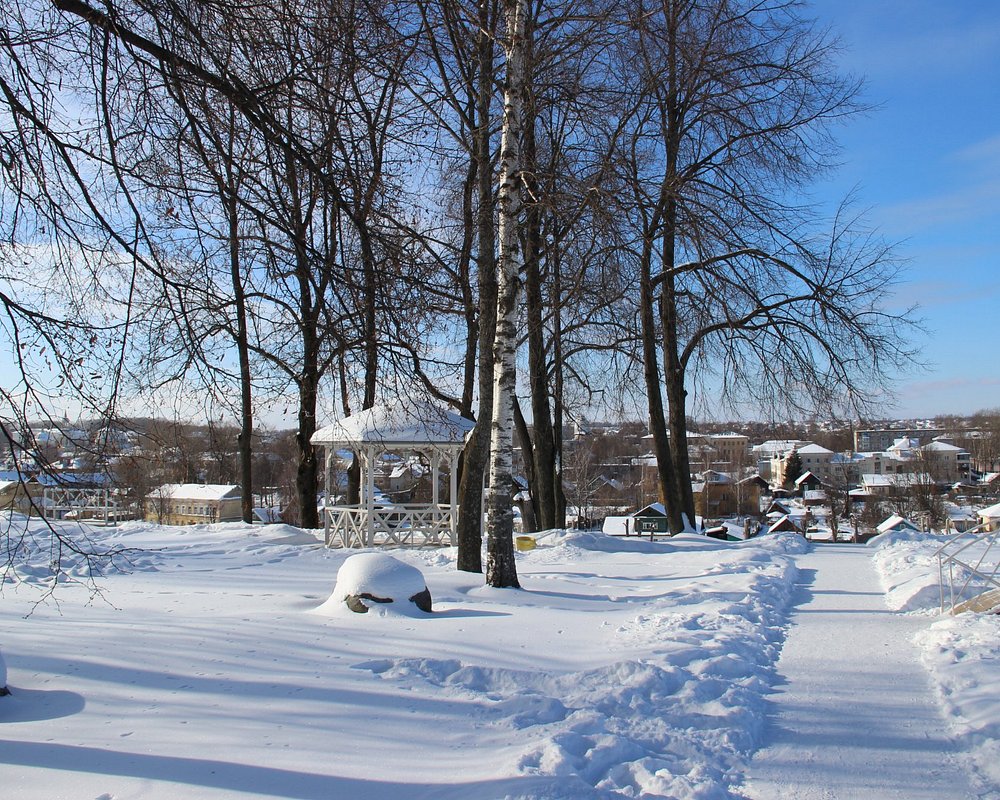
pixel 405 422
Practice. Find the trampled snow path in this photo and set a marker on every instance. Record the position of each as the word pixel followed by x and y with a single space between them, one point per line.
pixel 854 714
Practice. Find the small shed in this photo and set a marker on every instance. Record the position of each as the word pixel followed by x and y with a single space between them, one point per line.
pixel 895 524
pixel 651 519
pixel 989 517
pixel 405 426
pixel 784 524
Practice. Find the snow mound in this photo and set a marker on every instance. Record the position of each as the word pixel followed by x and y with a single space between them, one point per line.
pixel 896 537
pixel 677 721
pixel 43 553
pixel 602 543
pixel 779 542
pixel 907 563
pixel 377 581
pixel 962 654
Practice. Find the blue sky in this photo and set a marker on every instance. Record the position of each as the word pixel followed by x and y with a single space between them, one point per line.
pixel 926 161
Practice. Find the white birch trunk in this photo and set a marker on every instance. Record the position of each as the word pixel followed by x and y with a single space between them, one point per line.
pixel 500 568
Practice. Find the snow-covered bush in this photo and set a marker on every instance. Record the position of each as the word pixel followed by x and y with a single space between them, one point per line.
pixel 369 579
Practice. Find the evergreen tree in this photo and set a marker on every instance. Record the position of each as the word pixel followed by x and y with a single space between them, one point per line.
pixel 793 468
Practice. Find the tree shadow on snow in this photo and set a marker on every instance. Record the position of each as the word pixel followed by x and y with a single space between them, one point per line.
pixel 261 780
pixel 37 705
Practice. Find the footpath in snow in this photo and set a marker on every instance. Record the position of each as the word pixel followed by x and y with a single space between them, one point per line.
pixel 854 714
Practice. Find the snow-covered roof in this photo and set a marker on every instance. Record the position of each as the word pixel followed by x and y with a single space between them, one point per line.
pixel 806 477
pixel 197 491
pixel 895 523
pixel 409 422
pixel 71 479
pixel 652 509
pixel 785 523
pixel 814 450
pixel 899 479
pixel 990 512
pixel 941 447
pixel 268 515
pixel 777 446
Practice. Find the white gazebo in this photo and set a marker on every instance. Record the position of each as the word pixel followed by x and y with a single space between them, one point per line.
pixel 406 426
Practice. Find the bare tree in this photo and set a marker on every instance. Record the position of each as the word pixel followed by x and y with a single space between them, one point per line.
pixel 731 105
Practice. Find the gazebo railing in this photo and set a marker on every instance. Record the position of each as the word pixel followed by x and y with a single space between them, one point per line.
pixel 400 525
pixel 968 566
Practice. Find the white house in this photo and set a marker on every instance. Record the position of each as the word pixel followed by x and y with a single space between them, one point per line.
pixel 946 462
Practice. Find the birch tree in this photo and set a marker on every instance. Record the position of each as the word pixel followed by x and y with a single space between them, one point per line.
pixel 500 567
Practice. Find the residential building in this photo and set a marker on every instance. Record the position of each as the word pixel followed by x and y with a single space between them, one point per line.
pixel 889 485
pixel 194 503
pixel 878 439
pixel 720 494
pixel 766 453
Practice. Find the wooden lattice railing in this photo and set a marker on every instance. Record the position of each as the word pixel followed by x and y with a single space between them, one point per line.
pixel 400 525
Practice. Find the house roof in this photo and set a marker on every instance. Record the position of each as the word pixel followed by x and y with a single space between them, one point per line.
pixel 82 479
pixel 814 449
pixel 941 447
pixel 896 523
pixel 808 477
pixel 898 479
pixel 268 515
pixel 652 510
pixel 777 446
pixel 785 523
pixel 197 491
pixel 412 422
pixel 990 512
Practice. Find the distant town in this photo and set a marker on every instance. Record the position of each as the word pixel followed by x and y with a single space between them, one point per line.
pixel 824 480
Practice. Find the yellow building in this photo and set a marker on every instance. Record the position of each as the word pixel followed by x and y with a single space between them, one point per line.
pixel 194 504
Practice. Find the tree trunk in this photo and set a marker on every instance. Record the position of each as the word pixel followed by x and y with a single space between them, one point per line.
pixel 654 395
pixel 307 470
pixel 501 570
pixel 529 512
pixel 681 511
pixel 244 439
pixel 543 473
pixel 675 473
pixel 477 451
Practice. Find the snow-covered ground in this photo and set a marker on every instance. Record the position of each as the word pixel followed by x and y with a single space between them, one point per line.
pixel 962 652
pixel 624 668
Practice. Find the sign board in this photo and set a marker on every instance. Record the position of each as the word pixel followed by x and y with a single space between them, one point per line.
pixel 651 525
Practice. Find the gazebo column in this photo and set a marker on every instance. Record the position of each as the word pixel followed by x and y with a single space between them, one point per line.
pixel 453 455
pixel 436 493
pixel 368 466
pixel 435 476
pixel 327 458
